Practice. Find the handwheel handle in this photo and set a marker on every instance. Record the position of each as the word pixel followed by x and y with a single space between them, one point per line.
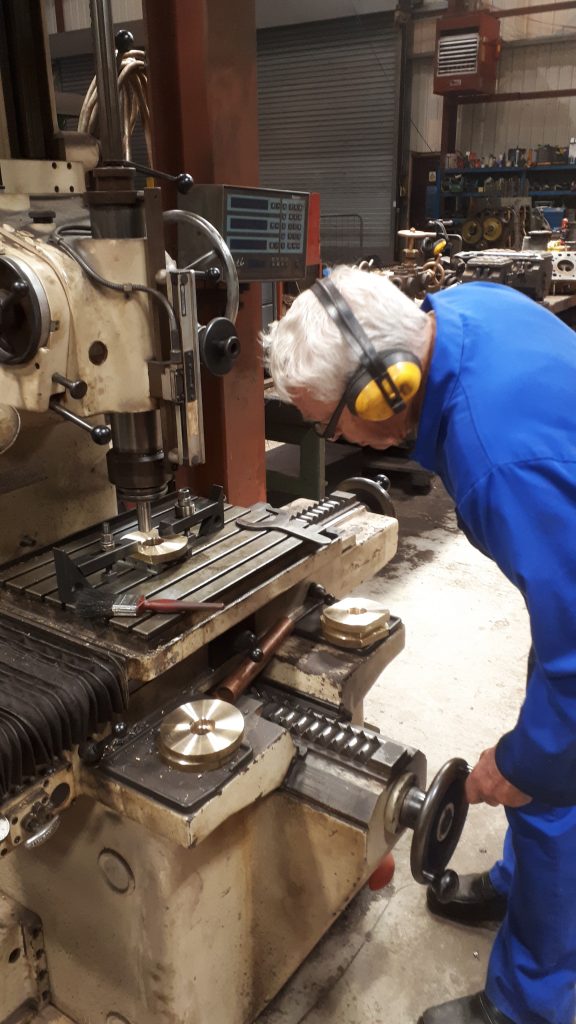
pixel 437 818
pixel 445 886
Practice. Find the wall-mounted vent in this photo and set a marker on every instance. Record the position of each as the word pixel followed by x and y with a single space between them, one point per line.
pixel 467 50
pixel 458 54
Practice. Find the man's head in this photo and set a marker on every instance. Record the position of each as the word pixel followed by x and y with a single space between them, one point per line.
pixel 312 363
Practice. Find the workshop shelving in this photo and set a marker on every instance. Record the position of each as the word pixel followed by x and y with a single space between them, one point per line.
pixel 526 178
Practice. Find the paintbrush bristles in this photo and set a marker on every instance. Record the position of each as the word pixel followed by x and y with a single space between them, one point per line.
pixel 100 603
pixel 90 603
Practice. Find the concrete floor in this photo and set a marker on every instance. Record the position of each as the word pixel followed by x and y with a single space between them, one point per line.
pixel 455 689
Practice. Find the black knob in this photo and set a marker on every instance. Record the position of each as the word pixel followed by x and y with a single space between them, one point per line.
pixel 18 289
pixel 184 183
pixel 219 346
pixel 124 41
pixel 76 388
pixel 244 641
pixel 90 752
pixel 101 434
pixel 248 641
pixel 319 593
pixel 445 886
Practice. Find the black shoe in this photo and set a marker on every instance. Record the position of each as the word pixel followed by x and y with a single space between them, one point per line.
pixel 475 1009
pixel 476 902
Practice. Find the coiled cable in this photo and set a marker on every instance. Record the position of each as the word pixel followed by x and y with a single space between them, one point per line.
pixel 133 96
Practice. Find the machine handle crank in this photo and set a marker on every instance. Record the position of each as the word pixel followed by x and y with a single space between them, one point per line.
pixel 76 388
pixel 248 642
pixel 261 650
pixel 124 42
pixel 183 181
pixel 437 818
pixel 100 433
pixel 238 682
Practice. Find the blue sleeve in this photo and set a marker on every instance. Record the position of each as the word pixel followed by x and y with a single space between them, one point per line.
pixel 524 517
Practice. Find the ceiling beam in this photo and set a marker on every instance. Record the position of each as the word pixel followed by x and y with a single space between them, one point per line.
pixel 519 12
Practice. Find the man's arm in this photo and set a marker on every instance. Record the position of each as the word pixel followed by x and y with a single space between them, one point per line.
pixel 524 517
pixel 487 785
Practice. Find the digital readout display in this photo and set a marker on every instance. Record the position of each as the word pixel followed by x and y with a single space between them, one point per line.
pixel 272 224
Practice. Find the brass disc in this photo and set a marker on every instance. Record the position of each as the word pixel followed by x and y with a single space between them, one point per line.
pixel 354 643
pixel 355 617
pixel 155 550
pixel 201 734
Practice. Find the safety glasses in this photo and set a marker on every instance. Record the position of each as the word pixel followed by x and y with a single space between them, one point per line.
pixel 328 430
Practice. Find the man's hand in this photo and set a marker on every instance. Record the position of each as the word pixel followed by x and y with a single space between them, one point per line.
pixel 487 785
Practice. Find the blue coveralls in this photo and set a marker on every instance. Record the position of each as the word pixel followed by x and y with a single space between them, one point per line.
pixel 498 425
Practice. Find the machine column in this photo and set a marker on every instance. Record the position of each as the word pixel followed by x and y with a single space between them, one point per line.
pixel 202 58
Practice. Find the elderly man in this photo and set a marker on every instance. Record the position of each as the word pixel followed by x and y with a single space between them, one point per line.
pixel 486 379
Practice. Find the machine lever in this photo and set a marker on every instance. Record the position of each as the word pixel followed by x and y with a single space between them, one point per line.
pixel 100 433
pixel 238 682
pixel 183 181
pixel 247 642
pixel 76 388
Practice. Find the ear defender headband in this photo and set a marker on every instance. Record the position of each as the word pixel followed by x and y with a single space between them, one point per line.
pixel 386 380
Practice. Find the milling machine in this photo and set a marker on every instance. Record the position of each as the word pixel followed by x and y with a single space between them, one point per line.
pixel 189 794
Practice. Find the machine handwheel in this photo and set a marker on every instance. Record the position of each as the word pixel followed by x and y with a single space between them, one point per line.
pixel 372 493
pixel 218 251
pixel 437 818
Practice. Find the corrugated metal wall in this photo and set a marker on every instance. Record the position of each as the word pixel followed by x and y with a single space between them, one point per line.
pixel 426 127
pixel 494 127
pixel 529 26
pixel 328 124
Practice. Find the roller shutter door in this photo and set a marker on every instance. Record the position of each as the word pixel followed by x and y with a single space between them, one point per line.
pixel 328 114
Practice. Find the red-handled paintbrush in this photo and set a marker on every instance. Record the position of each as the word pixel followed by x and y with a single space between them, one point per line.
pixel 94 603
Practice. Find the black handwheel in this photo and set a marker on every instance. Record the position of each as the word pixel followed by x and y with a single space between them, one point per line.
pixel 437 818
pixel 371 493
pixel 219 346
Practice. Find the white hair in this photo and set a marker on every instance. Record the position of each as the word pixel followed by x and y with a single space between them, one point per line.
pixel 305 350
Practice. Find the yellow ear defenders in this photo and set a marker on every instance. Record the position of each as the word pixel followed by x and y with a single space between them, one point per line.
pixel 385 381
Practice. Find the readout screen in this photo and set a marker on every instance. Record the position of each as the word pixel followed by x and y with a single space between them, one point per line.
pixel 266 224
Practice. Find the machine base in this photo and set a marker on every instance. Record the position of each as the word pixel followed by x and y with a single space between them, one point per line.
pixel 139 930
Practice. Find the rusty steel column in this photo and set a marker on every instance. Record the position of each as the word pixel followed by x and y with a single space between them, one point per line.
pixel 449 123
pixel 202 57
pixel 59 12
